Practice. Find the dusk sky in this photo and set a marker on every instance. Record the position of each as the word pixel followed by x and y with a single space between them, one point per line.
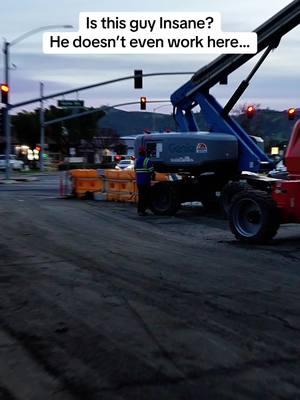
pixel 276 85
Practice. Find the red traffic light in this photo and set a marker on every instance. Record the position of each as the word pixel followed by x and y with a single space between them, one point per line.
pixel 250 111
pixel 4 88
pixel 4 93
pixel 291 113
pixel 143 101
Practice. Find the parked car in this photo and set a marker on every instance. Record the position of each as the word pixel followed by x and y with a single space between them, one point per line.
pixel 14 163
pixel 125 164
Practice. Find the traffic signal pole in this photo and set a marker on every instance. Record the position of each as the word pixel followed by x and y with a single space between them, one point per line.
pixel 6 113
pixel 8 142
pixel 6 48
pixel 42 127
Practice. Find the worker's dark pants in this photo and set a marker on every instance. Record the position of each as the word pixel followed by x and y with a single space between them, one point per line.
pixel 144 197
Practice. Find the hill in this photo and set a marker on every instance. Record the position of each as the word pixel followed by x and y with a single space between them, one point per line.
pixel 273 126
pixel 270 124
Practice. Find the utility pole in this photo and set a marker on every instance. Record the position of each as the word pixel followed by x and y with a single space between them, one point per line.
pixel 6 112
pixel 6 50
pixel 42 127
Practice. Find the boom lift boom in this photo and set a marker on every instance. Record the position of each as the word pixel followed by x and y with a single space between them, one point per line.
pixel 196 91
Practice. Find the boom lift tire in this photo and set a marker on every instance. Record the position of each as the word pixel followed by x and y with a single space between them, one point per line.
pixel 228 192
pixel 254 216
pixel 165 199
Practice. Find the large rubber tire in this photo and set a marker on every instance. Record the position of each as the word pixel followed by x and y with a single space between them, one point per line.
pixel 228 193
pixel 254 216
pixel 164 198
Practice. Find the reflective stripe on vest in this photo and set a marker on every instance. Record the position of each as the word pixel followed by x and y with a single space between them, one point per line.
pixel 145 168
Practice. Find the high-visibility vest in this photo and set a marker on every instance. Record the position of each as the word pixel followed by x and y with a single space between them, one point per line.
pixel 144 169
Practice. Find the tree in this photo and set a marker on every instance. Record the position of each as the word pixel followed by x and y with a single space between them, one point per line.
pixel 120 148
pixel 27 128
pixel 106 138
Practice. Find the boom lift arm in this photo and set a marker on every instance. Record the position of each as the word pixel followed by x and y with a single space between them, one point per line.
pixel 196 91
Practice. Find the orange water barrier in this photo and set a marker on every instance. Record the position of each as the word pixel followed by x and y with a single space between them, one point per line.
pixel 113 184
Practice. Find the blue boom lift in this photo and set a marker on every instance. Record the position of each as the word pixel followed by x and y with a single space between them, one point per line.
pixel 213 161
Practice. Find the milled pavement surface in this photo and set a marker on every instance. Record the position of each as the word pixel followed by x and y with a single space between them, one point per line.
pixel 97 303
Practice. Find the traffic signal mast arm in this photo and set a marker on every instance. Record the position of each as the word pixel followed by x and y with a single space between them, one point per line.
pixel 196 91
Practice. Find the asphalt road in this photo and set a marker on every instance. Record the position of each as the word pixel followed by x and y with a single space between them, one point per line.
pixel 41 185
pixel 98 303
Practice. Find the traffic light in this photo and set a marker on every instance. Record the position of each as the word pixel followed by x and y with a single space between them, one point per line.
pixel 143 101
pixel 4 93
pixel 291 113
pixel 138 79
pixel 250 111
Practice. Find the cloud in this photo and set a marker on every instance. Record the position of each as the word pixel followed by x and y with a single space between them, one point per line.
pixel 276 81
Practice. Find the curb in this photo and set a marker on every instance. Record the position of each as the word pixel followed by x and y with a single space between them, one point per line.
pixel 16 180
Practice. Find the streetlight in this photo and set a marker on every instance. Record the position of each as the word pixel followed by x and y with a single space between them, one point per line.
pixel 6 51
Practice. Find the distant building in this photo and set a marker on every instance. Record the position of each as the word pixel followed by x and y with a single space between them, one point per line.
pixel 129 142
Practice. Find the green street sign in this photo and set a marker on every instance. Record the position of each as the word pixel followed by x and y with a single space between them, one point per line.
pixel 70 103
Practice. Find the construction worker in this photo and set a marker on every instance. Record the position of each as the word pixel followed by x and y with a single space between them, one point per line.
pixel 144 172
